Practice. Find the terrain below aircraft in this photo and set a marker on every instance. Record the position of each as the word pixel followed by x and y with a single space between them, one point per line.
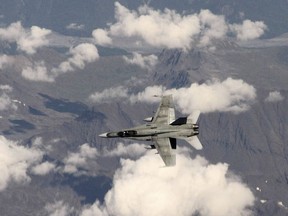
pixel 163 130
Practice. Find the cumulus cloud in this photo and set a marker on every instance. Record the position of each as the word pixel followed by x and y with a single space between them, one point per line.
pixel 37 72
pixel 101 37
pixel 274 96
pixel 80 55
pixel 212 27
pixel 248 29
pixel 148 94
pixel 6 103
pixel 59 208
pixel 43 168
pixel 145 62
pixel 230 95
pixel 27 40
pixel 15 161
pixel 170 29
pixel 78 162
pixel 193 186
pixel 75 26
pixel 134 151
pixel 109 94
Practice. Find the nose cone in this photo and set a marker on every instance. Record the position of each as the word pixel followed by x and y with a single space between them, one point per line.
pixel 103 135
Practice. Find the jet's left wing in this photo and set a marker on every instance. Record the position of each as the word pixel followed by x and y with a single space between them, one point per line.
pixel 166 148
pixel 165 113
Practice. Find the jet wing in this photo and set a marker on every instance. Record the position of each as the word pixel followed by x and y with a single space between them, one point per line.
pixel 165 113
pixel 164 147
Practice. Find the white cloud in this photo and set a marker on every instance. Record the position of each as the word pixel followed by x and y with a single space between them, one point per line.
pixel 109 94
pixel 193 186
pixel 274 96
pixel 170 29
pixel 148 94
pixel 101 37
pixel 75 26
pixel 43 168
pixel 27 40
pixel 134 150
pixel 15 161
pixel 59 208
pixel 157 28
pixel 80 55
pixel 78 162
pixel 6 103
pixel 228 95
pixel 145 62
pixel 248 29
pixel 212 27
pixel 38 72
pixel 33 39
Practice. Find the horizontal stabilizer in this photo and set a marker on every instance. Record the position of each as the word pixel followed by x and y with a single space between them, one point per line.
pixel 195 142
pixel 193 118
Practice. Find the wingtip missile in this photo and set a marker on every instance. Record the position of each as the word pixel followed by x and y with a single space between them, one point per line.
pixel 103 135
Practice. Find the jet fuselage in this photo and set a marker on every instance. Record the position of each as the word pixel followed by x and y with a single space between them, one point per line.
pixel 148 131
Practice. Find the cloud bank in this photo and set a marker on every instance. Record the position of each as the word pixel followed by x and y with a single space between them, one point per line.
pixel 169 29
pixel 194 186
pixel 80 55
pixel 27 40
pixel 230 95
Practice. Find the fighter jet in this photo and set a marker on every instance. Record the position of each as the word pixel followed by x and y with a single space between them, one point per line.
pixel 163 130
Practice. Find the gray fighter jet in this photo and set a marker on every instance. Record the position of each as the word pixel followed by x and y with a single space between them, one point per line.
pixel 163 130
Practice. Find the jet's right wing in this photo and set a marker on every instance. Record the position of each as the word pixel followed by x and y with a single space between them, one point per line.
pixel 165 113
pixel 164 147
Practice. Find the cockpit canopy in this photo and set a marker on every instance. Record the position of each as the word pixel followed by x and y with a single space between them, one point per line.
pixel 129 133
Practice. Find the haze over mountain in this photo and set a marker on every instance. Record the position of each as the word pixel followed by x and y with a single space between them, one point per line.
pixel 70 70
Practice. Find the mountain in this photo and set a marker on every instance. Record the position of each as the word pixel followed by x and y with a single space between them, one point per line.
pixel 57 122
